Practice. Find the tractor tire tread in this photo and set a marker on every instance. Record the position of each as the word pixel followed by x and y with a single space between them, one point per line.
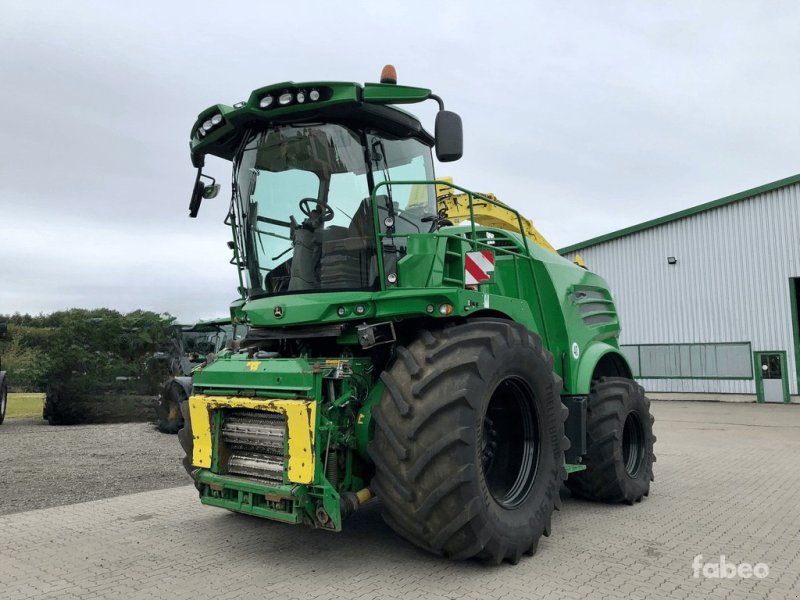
pixel 423 447
pixel 605 479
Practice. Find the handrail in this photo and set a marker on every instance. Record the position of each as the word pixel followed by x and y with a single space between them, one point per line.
pixel 379 235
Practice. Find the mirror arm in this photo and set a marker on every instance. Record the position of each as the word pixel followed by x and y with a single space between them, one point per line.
pixel 197 194
pixel 194 205
pixel 198 160
pixel 209 177
pixel 438 100
pixel 201 191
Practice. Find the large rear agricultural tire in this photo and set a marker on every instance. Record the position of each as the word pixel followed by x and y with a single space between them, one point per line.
pixel 619 457
pixel 3 400
pixel 469 441
pixel 168 409
pixel 51 412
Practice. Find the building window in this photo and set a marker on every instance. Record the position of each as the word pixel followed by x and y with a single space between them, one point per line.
pixel 690 361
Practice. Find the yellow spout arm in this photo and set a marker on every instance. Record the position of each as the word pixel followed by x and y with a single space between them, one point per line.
pixel 457 208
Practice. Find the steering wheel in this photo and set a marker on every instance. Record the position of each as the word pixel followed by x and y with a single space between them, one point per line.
pixel 305 208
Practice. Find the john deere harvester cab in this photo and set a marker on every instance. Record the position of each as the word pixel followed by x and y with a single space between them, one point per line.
pixel 456 370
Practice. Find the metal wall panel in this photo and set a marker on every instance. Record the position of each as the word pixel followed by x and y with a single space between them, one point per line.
pixel 730 283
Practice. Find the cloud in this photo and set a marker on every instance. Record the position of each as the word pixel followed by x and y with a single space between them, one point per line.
pixel 587 117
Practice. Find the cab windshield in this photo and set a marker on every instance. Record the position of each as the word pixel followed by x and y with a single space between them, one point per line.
pixel 301 206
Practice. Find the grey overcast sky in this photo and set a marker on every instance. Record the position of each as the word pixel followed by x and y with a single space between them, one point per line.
pixel 587 116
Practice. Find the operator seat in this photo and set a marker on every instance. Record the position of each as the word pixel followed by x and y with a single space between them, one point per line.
pixel 348 253
pixel 304 270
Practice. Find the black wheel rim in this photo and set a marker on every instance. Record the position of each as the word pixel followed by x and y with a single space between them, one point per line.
pixel 632 444
pixel 510 443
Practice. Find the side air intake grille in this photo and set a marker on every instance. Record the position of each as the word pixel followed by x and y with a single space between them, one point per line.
pixel 595 306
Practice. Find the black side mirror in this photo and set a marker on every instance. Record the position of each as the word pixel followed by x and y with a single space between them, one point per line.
pixel 449 136
pixel 211 191
pixel 201 191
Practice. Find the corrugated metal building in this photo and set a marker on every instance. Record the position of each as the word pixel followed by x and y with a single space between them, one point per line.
pixel 709 296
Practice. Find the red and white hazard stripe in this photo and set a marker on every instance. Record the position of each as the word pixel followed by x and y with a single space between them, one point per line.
pixel 478 267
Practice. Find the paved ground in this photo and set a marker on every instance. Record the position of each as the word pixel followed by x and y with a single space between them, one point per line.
pixel 727 483
pixel 43 466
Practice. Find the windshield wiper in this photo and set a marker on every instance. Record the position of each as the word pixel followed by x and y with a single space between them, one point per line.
pixel 245 236
pixel 378 155
pixel 289 249
pixel 272 221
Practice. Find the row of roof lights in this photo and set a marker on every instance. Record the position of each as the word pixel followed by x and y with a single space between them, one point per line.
pixel 287 98
pixel 283 99
pixel 209 124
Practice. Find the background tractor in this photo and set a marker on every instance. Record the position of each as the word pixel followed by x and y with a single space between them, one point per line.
pixel 3 379
pixel 426 348
pixel 192 346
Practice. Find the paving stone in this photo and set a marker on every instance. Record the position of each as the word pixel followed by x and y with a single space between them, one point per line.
pixel 727 483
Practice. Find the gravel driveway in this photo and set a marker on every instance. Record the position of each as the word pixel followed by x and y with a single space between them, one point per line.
pixel 43 466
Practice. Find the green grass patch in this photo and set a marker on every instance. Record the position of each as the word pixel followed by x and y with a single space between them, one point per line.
pixel 24 405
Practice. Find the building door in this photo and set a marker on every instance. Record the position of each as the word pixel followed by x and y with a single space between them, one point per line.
pixel 794 300
pixel 771 379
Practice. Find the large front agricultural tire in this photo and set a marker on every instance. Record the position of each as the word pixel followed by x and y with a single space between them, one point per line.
pixel 469 441
pixel 619 457
pixel 168 409
pixel 51 410
pixel 3 399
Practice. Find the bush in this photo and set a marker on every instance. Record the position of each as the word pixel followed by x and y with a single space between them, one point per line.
pixel 78 351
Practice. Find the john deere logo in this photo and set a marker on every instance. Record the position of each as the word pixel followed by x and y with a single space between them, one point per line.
pixel 278 312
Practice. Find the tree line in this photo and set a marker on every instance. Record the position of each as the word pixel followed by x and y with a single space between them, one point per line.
pixel 80 351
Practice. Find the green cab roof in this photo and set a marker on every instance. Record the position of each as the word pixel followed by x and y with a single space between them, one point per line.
pixel 682 214
pixel 335 100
